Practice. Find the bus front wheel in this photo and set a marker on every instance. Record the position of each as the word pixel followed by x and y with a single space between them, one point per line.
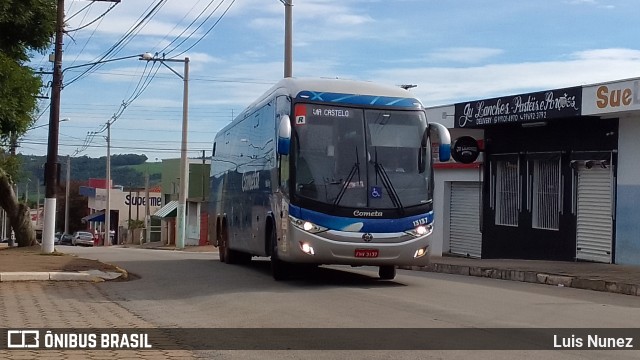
pixel 279 268
pixel 387 272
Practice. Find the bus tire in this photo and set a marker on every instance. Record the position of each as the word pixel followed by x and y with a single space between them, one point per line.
pixel 230 256
pixel 279 268
pixel 226 254
pixel 221 253
pixel 387 272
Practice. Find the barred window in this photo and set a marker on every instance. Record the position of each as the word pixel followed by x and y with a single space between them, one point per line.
pixel 507 193
pixel 546 194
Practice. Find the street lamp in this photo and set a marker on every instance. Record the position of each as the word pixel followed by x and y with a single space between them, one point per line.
pixel 184 166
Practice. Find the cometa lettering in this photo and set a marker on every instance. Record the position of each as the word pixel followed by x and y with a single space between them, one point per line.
pixel 359 213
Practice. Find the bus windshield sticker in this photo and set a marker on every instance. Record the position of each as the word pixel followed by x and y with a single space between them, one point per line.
pixel 376 192
pixel 301 113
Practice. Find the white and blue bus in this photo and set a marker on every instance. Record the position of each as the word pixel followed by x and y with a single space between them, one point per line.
pixel 326 172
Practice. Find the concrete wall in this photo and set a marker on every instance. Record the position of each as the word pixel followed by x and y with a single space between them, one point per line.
pixel 447 173
pixel 627 239
pixel 441 195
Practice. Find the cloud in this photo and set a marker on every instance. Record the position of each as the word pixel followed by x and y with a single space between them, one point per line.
pixel 446 85
pixel 464 54
pixel 608 54
pixel 590 2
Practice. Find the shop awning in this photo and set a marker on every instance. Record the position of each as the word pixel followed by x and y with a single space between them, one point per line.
pixel 97 216
pixel 169 210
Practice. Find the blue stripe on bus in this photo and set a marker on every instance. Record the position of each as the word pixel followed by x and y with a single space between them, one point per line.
pixel 360 224
pixel 360 99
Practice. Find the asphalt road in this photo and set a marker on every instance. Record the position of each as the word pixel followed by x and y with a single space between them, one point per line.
pixel 186 289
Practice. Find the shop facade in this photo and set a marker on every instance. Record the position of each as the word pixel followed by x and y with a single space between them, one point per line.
pixel 559 176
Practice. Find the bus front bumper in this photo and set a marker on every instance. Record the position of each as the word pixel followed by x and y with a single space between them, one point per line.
pixel 350 248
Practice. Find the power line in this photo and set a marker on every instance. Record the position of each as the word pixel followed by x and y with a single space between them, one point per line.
pixel 186 28
pixel 206 33
pixel 94 20
pixel 125 39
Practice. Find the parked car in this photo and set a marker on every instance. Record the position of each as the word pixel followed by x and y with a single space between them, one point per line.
pixel 64 239
pixel 56 238
pixel 82 238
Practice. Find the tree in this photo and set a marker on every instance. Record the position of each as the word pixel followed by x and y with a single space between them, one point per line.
pixel 25 26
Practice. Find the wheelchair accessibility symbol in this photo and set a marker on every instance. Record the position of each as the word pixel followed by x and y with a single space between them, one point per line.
pixel 376 192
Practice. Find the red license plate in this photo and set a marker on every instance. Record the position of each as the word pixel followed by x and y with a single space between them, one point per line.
pixel 366 253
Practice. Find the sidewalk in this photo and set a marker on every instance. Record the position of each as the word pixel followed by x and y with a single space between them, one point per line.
pixel 30 264
pixel 612 278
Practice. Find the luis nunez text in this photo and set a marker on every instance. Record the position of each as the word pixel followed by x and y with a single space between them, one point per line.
pixel 593 342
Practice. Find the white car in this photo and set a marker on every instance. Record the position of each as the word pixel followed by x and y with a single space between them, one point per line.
pixel 82 238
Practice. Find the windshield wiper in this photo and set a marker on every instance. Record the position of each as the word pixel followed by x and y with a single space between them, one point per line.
pixel 395 199
pixel 354 169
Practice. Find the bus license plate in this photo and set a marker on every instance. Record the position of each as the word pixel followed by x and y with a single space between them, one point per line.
pixel 366 253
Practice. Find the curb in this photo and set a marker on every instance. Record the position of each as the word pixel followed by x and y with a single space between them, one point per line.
pixel 531 277
pixel 90 275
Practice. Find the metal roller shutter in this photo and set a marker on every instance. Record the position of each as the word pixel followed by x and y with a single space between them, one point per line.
pixel 594 214
pixel 465 237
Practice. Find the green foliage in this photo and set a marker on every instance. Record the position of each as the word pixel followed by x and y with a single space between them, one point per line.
pixel 84 168
pixel 26 25
pixel 135 224
pixel 126 159
pixel 18 90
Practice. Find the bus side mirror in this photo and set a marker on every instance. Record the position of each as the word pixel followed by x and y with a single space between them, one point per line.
pixel 284 135
pixel 422 153
pixel 444 138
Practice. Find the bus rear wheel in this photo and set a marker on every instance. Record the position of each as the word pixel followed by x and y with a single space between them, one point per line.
pixel 387 272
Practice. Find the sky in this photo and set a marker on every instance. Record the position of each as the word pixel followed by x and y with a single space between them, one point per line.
pixel 454 51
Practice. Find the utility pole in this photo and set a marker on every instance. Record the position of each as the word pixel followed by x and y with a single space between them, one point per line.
pixel 66 196
pixel 147 216
pixel 51 167
pixel 107 211
pixel 204 163
pixel 288 38
pixel 38 204
pixel 130 231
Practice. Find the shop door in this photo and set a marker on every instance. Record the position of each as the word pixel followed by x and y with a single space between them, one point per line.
pixel 594 207
pixel 526 217
pixel 465 237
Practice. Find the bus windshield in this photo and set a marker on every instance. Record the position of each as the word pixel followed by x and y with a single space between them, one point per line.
pixel 360 158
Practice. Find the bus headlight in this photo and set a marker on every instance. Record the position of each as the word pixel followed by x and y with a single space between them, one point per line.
pixel 307 226
pixel 421 230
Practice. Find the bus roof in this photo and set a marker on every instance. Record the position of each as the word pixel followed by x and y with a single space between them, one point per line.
pixel 334 90
pixel 295 86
